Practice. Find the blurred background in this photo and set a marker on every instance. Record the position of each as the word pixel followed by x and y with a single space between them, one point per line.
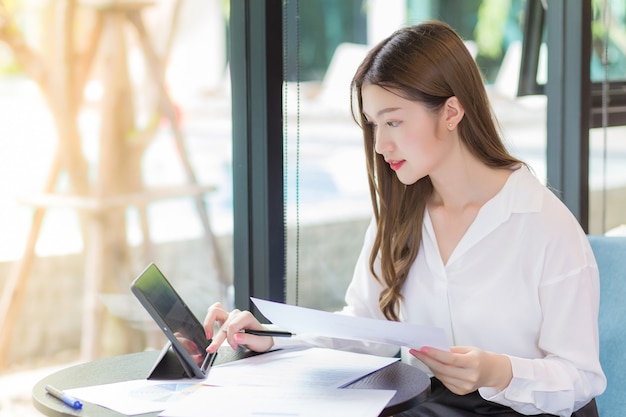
pixel 116 151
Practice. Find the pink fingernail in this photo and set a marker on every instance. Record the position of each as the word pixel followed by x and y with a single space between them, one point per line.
pixel 237 337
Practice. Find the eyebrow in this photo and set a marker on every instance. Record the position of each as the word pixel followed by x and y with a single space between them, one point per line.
pixel 383 111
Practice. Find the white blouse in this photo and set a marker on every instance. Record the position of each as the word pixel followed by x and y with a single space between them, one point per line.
pixel 522 281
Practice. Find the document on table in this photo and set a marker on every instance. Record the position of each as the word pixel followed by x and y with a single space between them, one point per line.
pixel 265 401
pixel 306 370
pixel 136 396
pixel 297 368
pixel 322 323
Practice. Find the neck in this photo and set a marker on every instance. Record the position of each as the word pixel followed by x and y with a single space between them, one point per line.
pixel 464 181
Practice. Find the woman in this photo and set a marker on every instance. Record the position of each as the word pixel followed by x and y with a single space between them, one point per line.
pixel 465 238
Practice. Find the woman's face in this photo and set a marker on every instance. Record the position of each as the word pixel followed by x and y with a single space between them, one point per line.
pixel 412 139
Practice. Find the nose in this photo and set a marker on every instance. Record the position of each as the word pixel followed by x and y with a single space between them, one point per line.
pixel 382 144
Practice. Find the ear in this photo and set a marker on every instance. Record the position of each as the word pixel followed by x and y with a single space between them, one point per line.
pixel 453 113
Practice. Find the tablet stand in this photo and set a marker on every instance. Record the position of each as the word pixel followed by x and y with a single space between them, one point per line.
pixel 170 365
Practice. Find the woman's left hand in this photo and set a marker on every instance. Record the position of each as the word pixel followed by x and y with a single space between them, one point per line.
pixel 465 369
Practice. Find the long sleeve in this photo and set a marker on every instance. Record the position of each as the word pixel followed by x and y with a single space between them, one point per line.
pixel 569 375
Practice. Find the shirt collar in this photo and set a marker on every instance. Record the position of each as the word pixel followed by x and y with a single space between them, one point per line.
pixel 521 193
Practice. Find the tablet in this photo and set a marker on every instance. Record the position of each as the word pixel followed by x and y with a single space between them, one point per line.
pixel 175 319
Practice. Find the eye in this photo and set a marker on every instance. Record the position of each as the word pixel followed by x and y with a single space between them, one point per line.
pixel 394 123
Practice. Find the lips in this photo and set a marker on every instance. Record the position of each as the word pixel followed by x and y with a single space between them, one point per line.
pixel 396 165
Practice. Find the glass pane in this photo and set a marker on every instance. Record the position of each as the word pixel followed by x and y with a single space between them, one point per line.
pixel 607 147
pixel 326 196
pixel 608 56
pixel 328 201
pixel 135 103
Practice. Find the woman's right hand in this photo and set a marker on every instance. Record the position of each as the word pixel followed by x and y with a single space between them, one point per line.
pixel 220 325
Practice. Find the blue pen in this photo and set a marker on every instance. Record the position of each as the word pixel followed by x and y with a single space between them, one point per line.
pixel 60 395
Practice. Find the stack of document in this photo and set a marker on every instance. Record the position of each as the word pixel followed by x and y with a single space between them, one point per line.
pixel 302 382
pixel 255 402
pixel 288 383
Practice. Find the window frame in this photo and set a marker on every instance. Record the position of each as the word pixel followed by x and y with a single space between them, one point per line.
pixel 534 28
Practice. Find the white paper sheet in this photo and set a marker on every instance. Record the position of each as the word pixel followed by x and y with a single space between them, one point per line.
pixel 263 401
pixel 321 323
pixel 303 369
pixel 137 396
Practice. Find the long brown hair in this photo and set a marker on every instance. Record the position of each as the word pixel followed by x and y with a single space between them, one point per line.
pixel 426 63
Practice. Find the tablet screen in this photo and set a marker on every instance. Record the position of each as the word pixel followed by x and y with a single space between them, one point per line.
pixel 158 295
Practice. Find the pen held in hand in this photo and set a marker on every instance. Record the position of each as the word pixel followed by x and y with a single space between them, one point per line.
pixel 271 333
pixel 60 395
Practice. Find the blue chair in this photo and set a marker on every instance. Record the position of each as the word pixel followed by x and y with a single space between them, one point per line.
pixel 610 253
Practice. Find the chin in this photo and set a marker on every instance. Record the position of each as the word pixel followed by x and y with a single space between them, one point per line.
pixel 409 180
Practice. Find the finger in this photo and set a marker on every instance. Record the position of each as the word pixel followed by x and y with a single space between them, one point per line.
pixel 252 342
pixel 438 355
pixel 433 364
pixel 215 314
pixel 461 349
pixel 246 320
pixel 241 320
pixel 458 357
pixel 440 368
pixel 216 341
pixel 453 374
pixel 227 331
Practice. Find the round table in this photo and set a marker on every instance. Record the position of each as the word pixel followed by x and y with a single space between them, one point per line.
pixel 411 385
